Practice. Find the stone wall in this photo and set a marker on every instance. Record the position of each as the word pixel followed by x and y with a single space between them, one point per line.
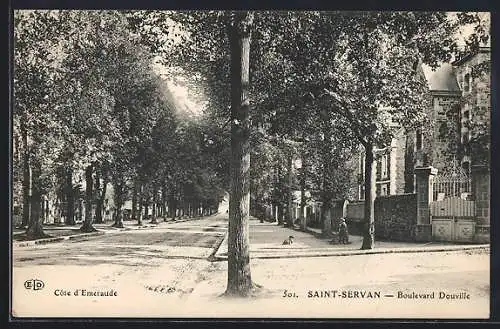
pixel 396 217
pixel 355 217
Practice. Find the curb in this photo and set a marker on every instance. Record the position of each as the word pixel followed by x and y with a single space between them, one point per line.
pixel 213 256
pixel 330 253
pixel 217 255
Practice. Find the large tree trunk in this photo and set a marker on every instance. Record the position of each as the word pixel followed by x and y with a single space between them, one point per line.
pixel 239 280
pixel 35 226
pixel 87 223
pixel 26 177
pixel 70 198
pixel 370 184
pixel 100 202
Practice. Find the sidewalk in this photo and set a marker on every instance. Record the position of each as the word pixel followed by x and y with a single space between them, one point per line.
pixel 266 242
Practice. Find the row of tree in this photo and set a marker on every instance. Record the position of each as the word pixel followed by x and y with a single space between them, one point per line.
pixel 88 100
pixel 279 86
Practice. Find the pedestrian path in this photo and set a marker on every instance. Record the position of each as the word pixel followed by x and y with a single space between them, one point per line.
pixel 58 233
pixel 266 241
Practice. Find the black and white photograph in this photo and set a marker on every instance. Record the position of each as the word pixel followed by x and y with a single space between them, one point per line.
pixel 274 164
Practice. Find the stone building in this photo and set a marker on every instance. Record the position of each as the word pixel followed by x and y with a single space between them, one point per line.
pixel 459 111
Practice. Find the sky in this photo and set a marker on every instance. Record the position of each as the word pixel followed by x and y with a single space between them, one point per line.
pixel 462 35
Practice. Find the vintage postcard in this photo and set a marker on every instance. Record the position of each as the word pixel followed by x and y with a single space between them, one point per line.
pixel 250 164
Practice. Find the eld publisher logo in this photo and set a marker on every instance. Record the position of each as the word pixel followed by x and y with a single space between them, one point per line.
pixel 34 284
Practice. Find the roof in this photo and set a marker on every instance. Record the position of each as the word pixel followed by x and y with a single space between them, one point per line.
pixel 443 79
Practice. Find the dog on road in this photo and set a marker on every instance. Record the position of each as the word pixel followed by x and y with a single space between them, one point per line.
pixel 288 241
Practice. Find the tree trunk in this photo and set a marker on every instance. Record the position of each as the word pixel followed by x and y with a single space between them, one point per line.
pixel 280 213
pixel 42 210
pixel 146 210
pixel 100 202
pixel 35 226
pixel 239 282
pixel 279 204
pixel 80 210
pixel 325 213
pixel 118 201
pixel 87 223
pixel 289 216
pixel 26 177
pixel 172 206
pixel 155 207
pixel 164 201
pixel 70 198
pixel 370 185
pixel 140 200
pixel 409 166
pixel 303 195
pixel 133 214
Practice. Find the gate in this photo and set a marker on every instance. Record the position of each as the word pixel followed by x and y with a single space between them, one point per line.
pixel 453 213
pixel 453 181
pixel 453 220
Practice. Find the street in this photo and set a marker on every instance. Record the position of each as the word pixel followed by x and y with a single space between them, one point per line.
pixel 164 271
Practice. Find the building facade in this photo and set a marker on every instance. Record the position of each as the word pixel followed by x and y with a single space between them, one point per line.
pixel 459 112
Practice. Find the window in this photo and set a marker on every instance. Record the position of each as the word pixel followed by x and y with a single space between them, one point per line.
pixel 384 166
pixel 361 192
